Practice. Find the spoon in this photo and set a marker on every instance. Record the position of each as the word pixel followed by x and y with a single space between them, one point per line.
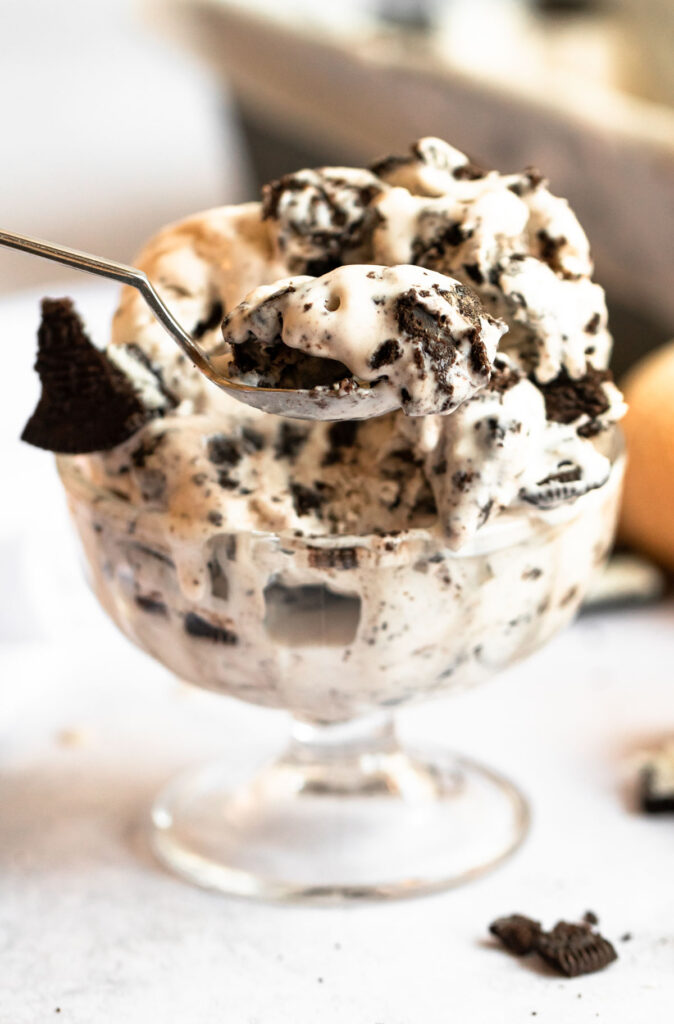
pixel 319 403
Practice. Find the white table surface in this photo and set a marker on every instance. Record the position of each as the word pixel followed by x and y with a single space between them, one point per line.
pixel 91 927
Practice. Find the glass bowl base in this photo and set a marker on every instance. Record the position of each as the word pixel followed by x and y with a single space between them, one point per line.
pixel 339 825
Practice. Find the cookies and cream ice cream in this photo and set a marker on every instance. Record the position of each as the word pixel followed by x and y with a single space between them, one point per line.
pixel 420 334
pixel 331 567
pixel 305 290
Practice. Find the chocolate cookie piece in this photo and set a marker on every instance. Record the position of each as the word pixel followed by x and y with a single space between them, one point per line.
pixel 565 485
pixel 228 450
pixel 210 321
pixel 568 398
pixel 519 934
pixel 550 249
pixel 306 499
pixel 291 439
pixel 430 331
pixel 278 365
pixel 87 404
pixel 574 949
pixel 528 181
pixel 153 605
pixel 146 449
pixel 201 628
pixel 341 437
pixel 333 558
pixel 503 377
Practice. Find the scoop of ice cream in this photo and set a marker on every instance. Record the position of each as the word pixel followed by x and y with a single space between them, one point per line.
pixel 421 334
pixel 520 247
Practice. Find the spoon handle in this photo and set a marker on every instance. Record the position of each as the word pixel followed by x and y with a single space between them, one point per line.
pixel 116 272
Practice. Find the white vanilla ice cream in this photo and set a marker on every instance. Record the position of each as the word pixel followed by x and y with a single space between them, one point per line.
pixel 333 567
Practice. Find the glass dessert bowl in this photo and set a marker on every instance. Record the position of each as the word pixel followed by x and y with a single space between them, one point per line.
pixel 339 631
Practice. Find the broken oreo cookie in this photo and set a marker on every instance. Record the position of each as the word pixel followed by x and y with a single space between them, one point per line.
pixel 87 404
pixel 571 949
pixel 564 485
pixel 574 949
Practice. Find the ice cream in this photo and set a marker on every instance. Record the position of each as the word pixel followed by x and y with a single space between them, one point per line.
pixel 331 567
pixel 524 409
pixel 403 329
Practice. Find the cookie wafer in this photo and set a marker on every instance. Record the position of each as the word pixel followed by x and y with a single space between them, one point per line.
pixel 87 404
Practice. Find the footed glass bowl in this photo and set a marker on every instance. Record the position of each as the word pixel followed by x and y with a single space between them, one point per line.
pixel 338 631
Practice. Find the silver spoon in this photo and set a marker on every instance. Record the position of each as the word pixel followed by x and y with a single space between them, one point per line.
pixel 320 403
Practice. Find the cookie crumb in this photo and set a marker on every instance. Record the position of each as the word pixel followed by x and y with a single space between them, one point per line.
pixel 518 934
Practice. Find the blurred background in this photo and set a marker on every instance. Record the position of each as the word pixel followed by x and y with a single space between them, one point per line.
pixel 121 115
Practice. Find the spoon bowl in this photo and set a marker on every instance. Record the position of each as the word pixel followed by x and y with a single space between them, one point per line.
pixel 346 400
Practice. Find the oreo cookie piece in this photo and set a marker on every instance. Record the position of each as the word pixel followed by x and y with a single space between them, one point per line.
pixel 290 440
pixel 519 934
pixel 656 783
pixel 568 398
pixel 196 626
pixel 87 404
pixel 564 485
pixel 574 949
pixel 333 558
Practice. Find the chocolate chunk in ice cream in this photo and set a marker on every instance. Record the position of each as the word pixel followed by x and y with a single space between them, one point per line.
pixel 568 398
